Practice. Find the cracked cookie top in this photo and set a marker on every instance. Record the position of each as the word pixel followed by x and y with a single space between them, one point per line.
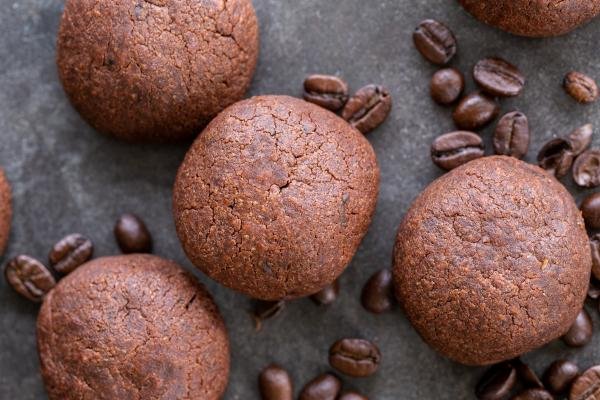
pixel 132 327
pixel 275 196
pixel 492 260
pixel 156 70
pixel 5 211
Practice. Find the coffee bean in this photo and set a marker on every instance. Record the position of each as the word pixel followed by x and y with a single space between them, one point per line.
pixel 475 111
pixel 132 235
pixel 498 77
pixel 327 295
pixel 560 375
pixel 368 108
pixel 581 87
pixel 352 396
pixel 595 248
pixel 264 310
pixel 526 374
pixel 497 382
pixel 590 209
pixel 446 86
pixel 511 137
pixel 594 289
pixel 378 293
pixel 275 384
pixel 435 41
pixel 29 277
pixel 454 149
pixel 327 91
pixel 586 170
pixel 581 331
pixel 323 387
pixel 586 386
pixel 70 252
pixel 556 157
pixel 533 394
pixel 355 357
pixel 581 138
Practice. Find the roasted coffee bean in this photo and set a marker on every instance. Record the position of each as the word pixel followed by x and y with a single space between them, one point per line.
pixel 29 277
pixel 378 293
pixel 581 87
pixel 511 137
pixel 497 382
pixel 526 375
pixel 581 331
pixel 446 86
pixel 533 394
pixel 590 209
pixel 264 310
pixel 560 375
pixel 352 396
pixel 275 384
pixel 587 385
pixel 435 41
pixel 581 138
pixel 70 252
pixel 556 157
pixel 475 111
pixel 132 235
pixel 327 295
pixel 594 289
pixel 327 91
pixel 498 77
pixel 595 248
pixel 586 170
pixel 454 149
pixel 323 387
pixel 355 357
pixel 368 108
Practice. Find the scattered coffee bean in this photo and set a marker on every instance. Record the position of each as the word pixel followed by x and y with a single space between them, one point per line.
pixel 275 384
pixel 264 310
pixel 447 85
pixel 355 357
pixel 526 374
pixel 586 170
pixel 581 138
pixel 498 77
pixel 132 235
pixel 594 288
pixel 581 331
pixel 581 87
pixel 435 41
pixel 497 382
pixel 595 248
pixel 352 396
pixel 327 91
pixel 586 386
pixel 70 252
pixel 327 295
pixel 560 375
pixel 454 149
pixel 590 209
pixel 475 111
pixel 556 157
pixel 511 137
pixel 29 277
pixel 533 394
pixel 368 108
pixel 323 387
pixel 378 293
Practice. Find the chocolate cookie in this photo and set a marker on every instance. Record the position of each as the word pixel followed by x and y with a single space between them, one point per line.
pixel 534 18
pixel 132 327
pixel 275 196
pixel 156 70
pixel 5 211
pixel 492 260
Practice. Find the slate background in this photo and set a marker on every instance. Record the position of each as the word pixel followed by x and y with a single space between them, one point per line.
pixel 68 178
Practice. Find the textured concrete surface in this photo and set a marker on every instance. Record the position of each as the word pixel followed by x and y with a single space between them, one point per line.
pixel 68 178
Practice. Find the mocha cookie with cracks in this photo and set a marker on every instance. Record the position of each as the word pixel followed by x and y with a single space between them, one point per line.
pixel 538 18
pixel 132 327
pixel 156 70
pixel 5 211
pixel 275 196
pixel 491 261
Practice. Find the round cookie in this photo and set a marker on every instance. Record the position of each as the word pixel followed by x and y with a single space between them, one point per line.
pixel 5 211
pixel 156 70
pixel 132 327
pixel 491 261
pixel 538 18
pixel 275 196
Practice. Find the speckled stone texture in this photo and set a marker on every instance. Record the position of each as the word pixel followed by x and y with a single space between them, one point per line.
pixel 275 196
pixel 492 260
pixel 132 327
pixel 5 210
pixel 156 70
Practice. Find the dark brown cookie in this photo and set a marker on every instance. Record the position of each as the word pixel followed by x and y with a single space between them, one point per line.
pixel 5 211
pixel 492 260
pixel 156 70
pixel 274 197
pixel 132 327
pixel 538 18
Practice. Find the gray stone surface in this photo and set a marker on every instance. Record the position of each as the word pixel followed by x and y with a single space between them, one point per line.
pixel 68 178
